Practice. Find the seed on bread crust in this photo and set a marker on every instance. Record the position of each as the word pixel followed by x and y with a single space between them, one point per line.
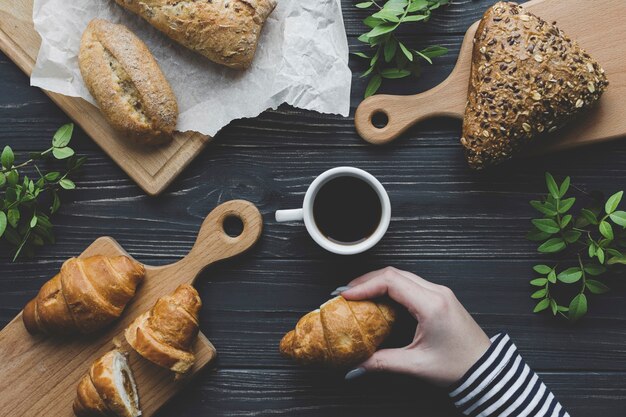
pixel 527 78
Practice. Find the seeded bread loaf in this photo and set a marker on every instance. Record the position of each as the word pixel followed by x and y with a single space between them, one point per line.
pixel 225 31
pixel 527 78
pixel 127 83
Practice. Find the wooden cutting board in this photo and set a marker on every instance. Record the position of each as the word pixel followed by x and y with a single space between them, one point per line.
pixel 599 26
pixel 39 375
pixel 152 168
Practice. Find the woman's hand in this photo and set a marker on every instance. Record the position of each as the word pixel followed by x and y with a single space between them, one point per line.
pixel 447 340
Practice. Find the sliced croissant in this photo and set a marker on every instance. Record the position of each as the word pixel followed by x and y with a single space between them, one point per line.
pixel 340 333
pixel 108 389
pixel 165 334
pixel 85 296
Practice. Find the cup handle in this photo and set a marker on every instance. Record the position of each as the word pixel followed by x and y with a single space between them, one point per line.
pixel 294 215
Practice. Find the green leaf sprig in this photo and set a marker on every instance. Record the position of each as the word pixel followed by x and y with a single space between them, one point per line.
pixel 597 236
pixel 391 58
pixel 24 210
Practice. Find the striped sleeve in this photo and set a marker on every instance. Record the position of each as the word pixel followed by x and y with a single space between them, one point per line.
pixel 500 384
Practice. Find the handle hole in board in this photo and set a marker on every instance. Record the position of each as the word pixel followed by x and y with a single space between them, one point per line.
pixel 233 226
pixel 379 119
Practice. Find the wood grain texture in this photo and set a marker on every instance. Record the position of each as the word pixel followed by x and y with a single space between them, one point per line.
pixel 439 208
pixel 450 225
pixel 152 168
pixel 39 374
pixel 267 392
pixel 249 304
pixel 602 123
pixel 452 19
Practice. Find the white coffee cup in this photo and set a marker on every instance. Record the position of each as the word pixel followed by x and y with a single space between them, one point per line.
pixel 306 212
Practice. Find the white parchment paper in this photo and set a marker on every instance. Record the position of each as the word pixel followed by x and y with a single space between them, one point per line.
pixel 302 60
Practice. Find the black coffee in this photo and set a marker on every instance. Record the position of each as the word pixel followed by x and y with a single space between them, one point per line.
pixel 347 210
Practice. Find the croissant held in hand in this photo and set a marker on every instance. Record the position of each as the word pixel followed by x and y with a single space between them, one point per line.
pixel 85 296
pixel 165 334
pixel 340 333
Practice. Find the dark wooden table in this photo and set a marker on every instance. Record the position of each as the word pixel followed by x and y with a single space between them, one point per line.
pixel 450 225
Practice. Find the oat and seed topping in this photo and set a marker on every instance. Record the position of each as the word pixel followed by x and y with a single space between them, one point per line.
pixel 527 77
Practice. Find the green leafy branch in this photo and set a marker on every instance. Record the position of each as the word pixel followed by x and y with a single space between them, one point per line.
pixel 597 236
pixel 24 222
pixel 391 58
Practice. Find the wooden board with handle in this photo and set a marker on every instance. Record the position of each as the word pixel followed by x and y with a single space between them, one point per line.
pixel 598 26
pixel 152 168
pixel 39 375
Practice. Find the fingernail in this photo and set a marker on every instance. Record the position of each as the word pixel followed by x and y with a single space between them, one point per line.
pixel 355 373
pixel 339 290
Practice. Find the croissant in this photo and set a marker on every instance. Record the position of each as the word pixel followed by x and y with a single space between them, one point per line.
pixel 340 333
pixel 165 334
pixel 85 296
pixel 108 389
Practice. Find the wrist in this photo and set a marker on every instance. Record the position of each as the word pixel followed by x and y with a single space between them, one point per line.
pixel 482 376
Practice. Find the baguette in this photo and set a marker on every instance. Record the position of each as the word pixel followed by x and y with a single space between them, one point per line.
pixel 127 83
pixel 527 79
pixel 225 31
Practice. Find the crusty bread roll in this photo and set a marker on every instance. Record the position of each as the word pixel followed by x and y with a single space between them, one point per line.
pixel 225 31
pixel 127 83
pixel 85 296
pixel 165 334
pixel 340 333
pixel 527 78
pixel 108 389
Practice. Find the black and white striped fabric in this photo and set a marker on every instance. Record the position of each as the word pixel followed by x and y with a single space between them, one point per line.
pixel 500 384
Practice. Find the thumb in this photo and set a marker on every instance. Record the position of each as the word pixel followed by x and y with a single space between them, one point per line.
pixel 386 360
